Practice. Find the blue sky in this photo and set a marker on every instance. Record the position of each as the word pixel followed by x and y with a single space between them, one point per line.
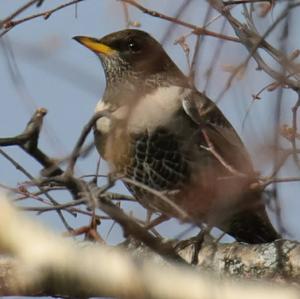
pixel 57 73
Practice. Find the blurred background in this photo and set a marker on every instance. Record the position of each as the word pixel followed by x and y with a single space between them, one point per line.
pixel 41 66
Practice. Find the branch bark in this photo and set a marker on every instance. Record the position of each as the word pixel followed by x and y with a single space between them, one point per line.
pixel 42 263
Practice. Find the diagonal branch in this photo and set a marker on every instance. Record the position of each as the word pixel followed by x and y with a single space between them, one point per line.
pixel 28 141
pixel 196 30
pixel 9 24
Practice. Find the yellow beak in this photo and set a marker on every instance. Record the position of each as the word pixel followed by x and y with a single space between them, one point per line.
pixel 94 45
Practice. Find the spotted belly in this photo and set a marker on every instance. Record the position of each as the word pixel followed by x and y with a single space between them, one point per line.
pixel 157 161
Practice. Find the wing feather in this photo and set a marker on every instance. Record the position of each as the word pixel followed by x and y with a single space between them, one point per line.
pixel 218 129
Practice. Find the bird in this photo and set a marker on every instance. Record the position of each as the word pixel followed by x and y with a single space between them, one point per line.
pixel 172 146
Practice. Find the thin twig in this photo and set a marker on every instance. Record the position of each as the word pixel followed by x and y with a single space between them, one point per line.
pixel 273 180
pixel 210 148
pixel 46 14
pixel 235 2
pixel 27 174
pixel 181 213
pixel 17 12
pixel 196 30
pixel 86 130
pixel 177 15
pixel 56 207
pixel 295 130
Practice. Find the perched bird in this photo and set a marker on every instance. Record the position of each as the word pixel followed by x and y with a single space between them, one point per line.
pixel 182 156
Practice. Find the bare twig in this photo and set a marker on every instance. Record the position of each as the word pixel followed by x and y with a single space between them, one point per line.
pixel 17 12
pixel 235 2
pixel 181 213
pixel 273 180
pixel 196 30
pixel 46 14
pixel 28 141
pixel 177 15
pixel 26 173
pixel 295 129
pixel 57 207
pixel 86 130
pixel 210 148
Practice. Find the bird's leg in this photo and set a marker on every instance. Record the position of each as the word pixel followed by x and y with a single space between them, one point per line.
pixel 148 217
pixel 198 241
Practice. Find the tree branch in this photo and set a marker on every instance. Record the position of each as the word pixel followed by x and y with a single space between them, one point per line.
pixel 52 267
pixel 9 23
pixel 28 141
pixel 196 30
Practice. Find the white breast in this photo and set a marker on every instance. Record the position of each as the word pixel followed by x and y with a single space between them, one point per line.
pixel 155 109
pixel 148 113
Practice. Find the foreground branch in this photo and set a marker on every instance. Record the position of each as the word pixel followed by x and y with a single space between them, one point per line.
pixel 45 264
pixel 276 261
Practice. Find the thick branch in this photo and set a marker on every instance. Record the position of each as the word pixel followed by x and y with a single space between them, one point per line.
pixel 46 264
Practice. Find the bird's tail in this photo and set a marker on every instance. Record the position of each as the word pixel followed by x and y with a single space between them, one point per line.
pixel 252 227
pixel 248 221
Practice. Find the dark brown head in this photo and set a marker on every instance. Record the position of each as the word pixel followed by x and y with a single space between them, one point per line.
pixel 129 55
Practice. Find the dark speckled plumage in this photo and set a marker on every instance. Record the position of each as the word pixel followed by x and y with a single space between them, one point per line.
pixel 168 155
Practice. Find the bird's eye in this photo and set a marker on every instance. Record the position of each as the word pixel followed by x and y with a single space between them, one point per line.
pixel 133 46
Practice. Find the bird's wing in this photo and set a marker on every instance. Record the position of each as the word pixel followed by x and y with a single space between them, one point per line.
pixel 218 129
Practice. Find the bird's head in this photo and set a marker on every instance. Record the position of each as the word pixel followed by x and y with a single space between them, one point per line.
pixel 130 55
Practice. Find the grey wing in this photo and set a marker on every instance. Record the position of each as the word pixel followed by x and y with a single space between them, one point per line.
pixel 220 132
